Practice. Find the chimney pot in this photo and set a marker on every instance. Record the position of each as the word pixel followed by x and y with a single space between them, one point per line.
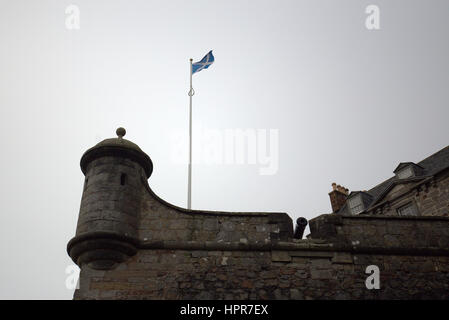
pixel 338 197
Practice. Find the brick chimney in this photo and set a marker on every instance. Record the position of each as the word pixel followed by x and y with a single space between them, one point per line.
pixel 338 196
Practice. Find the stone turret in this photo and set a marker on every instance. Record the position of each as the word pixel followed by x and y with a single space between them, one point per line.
pixel 107 229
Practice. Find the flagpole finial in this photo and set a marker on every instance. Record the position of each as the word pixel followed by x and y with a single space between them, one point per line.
pixel 191 59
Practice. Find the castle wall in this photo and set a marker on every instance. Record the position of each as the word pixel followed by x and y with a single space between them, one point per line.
pixel 161 221
pixel 383 233
pixel 187 274
pixel 130 244
pixel 332 265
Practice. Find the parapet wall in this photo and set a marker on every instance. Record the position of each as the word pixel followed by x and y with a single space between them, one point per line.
pixel 330 265
pixel 161 221
pixel 371 233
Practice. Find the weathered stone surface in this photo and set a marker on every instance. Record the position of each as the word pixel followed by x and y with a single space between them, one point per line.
pixel 319 279
pixel 150 249
pixel 281 256
pixel 342 257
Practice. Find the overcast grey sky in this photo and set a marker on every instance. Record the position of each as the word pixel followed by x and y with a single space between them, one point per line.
pixel 348 103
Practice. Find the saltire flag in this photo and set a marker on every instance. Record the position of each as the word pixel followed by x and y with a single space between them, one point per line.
pixel 204 63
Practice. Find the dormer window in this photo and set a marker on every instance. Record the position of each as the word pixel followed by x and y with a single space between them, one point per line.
pixel 407 170
pixel 355 204
pixel 405 173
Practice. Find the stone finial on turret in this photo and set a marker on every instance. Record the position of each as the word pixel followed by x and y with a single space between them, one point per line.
pixel 120 132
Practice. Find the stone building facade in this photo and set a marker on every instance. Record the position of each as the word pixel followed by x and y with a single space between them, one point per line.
pixel 130 244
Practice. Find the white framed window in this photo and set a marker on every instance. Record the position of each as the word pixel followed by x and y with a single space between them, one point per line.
pixel 408 209
pixel 355 204
pixel 407 172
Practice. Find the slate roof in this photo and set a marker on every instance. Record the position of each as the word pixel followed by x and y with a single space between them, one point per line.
pixel 431 165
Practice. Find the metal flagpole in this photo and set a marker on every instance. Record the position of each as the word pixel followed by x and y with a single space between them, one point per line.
pixel 189 185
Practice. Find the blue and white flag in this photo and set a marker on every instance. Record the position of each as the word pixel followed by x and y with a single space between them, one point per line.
pixel 204 63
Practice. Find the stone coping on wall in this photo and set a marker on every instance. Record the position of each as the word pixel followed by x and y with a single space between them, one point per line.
pixel 275 216
pixel 306 248
pixel 381 217
pixel 391 217
pixel 309 247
